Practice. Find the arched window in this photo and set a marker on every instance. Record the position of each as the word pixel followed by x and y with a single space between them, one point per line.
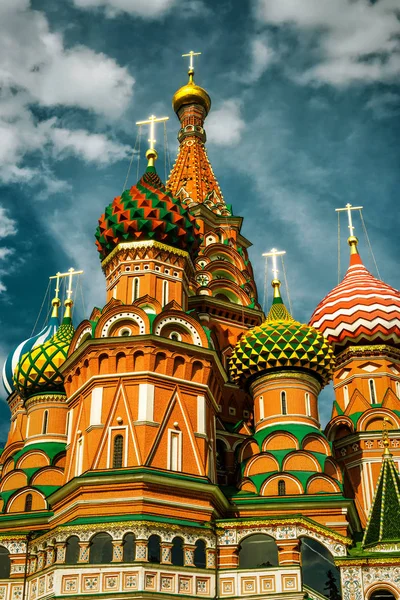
pixel 67 424
pixel 118 451
pixel 164 299
pixel 261 406
pixel 283 403
pixel 258 550
pixel 177 552
pixel 135 289
pixel 101 549
pixel 5 563
pixel 398 389
pixel 308 404
pixel 318 567
pixel 72 550
pixel 200 555
pixel 45 421
pixel 154 549
pixel 28 503
pixel 372 391
pixel 382 594
pixel 281 488
pixel 129 548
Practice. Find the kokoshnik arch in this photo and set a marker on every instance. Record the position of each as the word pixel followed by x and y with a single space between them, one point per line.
pixel 171 444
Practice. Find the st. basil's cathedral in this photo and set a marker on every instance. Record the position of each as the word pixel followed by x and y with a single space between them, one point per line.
pixel 170 445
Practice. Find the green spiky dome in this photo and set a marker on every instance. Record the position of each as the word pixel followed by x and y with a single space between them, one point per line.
pixel 38 370
pixel 148 211
pixel 281 342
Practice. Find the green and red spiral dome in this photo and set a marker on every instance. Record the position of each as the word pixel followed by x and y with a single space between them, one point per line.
pixel 148 211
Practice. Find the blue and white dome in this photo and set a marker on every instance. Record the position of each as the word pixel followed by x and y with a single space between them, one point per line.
pixel 24 347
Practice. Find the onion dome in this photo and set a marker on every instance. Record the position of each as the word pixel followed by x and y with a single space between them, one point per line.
pixel 281 343
pixel 148 211
pixel 12 360
pixel 38 370
pixel 360 310
pixel 191 94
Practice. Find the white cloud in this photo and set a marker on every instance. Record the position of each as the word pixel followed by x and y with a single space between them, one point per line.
pixel 147 9
pixel 358 40
pixel 225 124
pixel 92 147
pixel 37 70
pixel 8 227
pixel 262 56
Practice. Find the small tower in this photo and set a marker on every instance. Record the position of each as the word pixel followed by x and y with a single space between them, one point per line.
pixel 361 319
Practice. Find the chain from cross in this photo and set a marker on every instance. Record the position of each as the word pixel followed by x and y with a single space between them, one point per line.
pixel 70 273
pixel 191 54
pixel 274 253
pixel 151 121
pixel 348 208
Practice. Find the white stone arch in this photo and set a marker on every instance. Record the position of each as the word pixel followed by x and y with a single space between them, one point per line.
pixel 233 537
pixel 123 315
pixel 87 330
pixel 181 323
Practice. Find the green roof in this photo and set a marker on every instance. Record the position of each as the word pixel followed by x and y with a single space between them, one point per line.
pixel 51 449
pixel 299 431
pixel 384 518
pixel 133 517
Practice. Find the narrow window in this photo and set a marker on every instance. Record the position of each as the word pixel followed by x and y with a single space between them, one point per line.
pixel 164 293
pixel 135 289
pixel 261 405
pixel 175 451
pixel 45 421
pixel 79 457
pixel 67 424
pixel 114 291
pixel 398 389
pixel 372 391
pixel 283 403
pixel 281 488
pixel 28 422
pixel 118 449
pixel 346 396
pixel 308 405
pixel 28 503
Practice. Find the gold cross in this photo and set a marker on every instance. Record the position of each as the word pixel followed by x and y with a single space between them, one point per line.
pixel 274 253
pixel 151 121
pixel 348 208
pixel 71 272
pixel 191 54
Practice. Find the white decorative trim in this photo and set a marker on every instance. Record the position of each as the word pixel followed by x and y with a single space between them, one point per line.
pixel 183 323
pixel 123 315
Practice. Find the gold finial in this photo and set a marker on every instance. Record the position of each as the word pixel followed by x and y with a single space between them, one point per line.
pixel 385 438
pixel 56 300
pixel 191 54
pixel 352 240
pixel 276 284
pixel 68 302
pixel 151 153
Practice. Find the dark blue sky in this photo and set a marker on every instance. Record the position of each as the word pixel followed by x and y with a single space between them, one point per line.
pixel 305 118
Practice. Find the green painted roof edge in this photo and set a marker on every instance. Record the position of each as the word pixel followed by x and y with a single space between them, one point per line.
pixel 51 449
pixel 134 517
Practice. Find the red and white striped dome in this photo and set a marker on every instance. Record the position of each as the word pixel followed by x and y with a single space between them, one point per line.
pixel 360 310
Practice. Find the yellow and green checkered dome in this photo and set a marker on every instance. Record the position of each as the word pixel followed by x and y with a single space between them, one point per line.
pixel 281 343
pixel 38 370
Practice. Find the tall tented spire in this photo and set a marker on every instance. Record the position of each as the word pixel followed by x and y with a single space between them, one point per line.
pixel 192 178
pixel 383 527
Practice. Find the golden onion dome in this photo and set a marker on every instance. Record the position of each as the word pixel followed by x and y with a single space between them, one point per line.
pixel 191 94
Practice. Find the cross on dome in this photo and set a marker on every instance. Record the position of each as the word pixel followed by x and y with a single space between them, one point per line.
pixel 56 301
pixel 151 153
pixel 348 208
pixel 191 54
pixel 274 253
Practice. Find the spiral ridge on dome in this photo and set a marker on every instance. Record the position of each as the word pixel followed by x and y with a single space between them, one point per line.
pixel 281 342
pixel 38 370
pixel 13 358
pixel 148 211
pixel 360 310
